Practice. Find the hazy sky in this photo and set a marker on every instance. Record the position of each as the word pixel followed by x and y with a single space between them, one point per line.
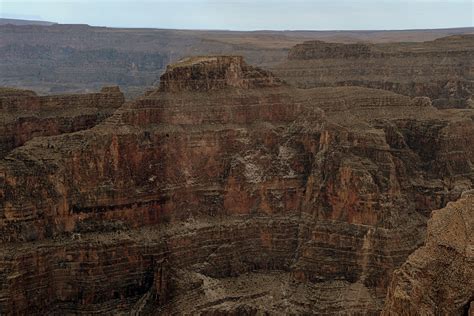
pixel 247 14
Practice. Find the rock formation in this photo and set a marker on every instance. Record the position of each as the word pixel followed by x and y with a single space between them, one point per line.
pixel 320 50
pixel 26 115
pixel 438 278
pixel 67 58
pixel 227 191
pixel 210 73
pixel 439 69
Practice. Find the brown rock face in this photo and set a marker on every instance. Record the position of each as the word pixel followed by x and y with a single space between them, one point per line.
pixel 26 115
pixel 440 69
pixel 246 197
pixel 210 73
pixel 319 49
pixel 438 278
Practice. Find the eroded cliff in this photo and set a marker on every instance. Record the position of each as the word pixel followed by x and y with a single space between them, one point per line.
pixel 25 115
pixel 441 69
pixel 227 191
pixel 438 278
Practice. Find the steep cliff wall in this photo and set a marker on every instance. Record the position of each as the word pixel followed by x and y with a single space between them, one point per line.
pixel 438 278
pixel 250 196
pixel 26 115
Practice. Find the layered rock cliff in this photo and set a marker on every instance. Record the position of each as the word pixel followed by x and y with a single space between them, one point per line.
pixel 25 115
pixel 319 49
pixel 438 278
pixel 227 191
pixel 441 69
pixel 210 73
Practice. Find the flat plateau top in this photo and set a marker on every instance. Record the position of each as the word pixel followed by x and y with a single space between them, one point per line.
pixel 189 61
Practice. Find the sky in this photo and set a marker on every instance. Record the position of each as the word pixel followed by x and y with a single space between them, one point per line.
pixel 249 14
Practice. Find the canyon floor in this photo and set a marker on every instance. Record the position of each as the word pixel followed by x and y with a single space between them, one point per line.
pixel 335 180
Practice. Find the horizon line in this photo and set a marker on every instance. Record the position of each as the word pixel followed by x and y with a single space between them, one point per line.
pixel 232 30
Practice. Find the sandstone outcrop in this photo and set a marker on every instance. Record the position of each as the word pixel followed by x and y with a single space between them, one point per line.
pixel 249 196
pixel 441 69
pixel 25 115
pixel 210 73
pixel 438 278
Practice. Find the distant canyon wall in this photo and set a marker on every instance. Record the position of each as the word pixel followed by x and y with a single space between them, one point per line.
pixel 63 58
pixel 441 70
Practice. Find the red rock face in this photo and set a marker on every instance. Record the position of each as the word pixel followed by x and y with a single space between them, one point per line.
pixel 248 197
pixel 26 115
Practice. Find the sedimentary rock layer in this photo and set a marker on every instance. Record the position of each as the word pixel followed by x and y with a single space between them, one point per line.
pixel 438 278
pixel 441 70
pixel 180 199
pixel 26 115
pixel 211 73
